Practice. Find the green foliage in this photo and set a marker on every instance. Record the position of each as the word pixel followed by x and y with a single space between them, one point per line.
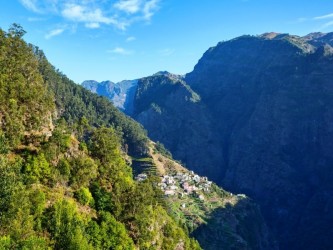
pixel 66 183
pixel 84 196
pixel 152 91
pixel 38 200
pixel 3 143
pixel 61 137
pixel 103 198
pixel 114 173
pixel 64 168
pixel 67 226
pixel 9 181
pixel 21 111
pixel 160 148
pixel 35 243
pixel 83 171
pixel 80 106
pixel 107 233
pixel 37 169
pixel 16 30
pixel 5 242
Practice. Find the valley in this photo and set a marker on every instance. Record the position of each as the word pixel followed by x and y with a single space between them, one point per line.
pixel 254 116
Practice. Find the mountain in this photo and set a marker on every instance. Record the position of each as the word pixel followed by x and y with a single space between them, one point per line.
pixel 76 173
pixel 119 93
pixel 271 100
pixel 255 116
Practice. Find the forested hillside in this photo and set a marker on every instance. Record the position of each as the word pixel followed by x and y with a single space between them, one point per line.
pixel 65 178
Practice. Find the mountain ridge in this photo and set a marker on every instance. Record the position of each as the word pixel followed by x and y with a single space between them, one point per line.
pixel 260 127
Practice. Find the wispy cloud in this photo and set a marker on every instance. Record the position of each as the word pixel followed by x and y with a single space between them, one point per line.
pixel 166 52
pixel 92 18
pixel 146 8
pixel 130 39
pixel 94 14
pixel 92 25
pixel 120 51
pixel 129 6
pixel 30 5
pixel 327 19
pixel 326 25
pixel 149 8
pixel 328 16
pixel 55 32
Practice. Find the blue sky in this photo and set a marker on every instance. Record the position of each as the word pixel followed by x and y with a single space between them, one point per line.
pixel 127 39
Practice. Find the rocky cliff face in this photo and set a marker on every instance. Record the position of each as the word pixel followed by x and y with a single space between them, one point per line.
pixel 271 98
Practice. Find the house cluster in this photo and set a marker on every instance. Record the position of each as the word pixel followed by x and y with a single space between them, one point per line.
pixel 185 184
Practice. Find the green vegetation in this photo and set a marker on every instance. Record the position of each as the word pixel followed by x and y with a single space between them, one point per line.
pixel 65 180
pixel 151 92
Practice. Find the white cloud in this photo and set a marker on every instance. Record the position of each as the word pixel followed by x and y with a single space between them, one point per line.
pixel 80 13
pixel 30 4
pixel 91 17
pixel 96 13
pixel 129 6
pixel 55 32
pixel 130 39
pixel 92 25
pixel 120 51
pixel 149 8
pixel 324 17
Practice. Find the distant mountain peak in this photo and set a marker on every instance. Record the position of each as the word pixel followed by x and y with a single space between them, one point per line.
pixel 273 35
pixel 314 35
pixel 168 74
pixel 115 92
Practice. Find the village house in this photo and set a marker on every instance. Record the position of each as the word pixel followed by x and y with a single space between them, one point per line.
pixel 173 187
pixel 186 182
pixel 141 177
pixel 197 178
pixel 169 192
pixel 162 185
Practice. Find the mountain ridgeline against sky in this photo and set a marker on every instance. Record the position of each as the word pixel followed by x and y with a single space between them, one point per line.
pixel 256 116
pixel 70 167
pixel 120 93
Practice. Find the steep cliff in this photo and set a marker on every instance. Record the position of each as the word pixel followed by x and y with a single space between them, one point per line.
pixel 271 99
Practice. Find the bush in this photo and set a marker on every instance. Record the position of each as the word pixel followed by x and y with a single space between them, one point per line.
pixel 84 196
